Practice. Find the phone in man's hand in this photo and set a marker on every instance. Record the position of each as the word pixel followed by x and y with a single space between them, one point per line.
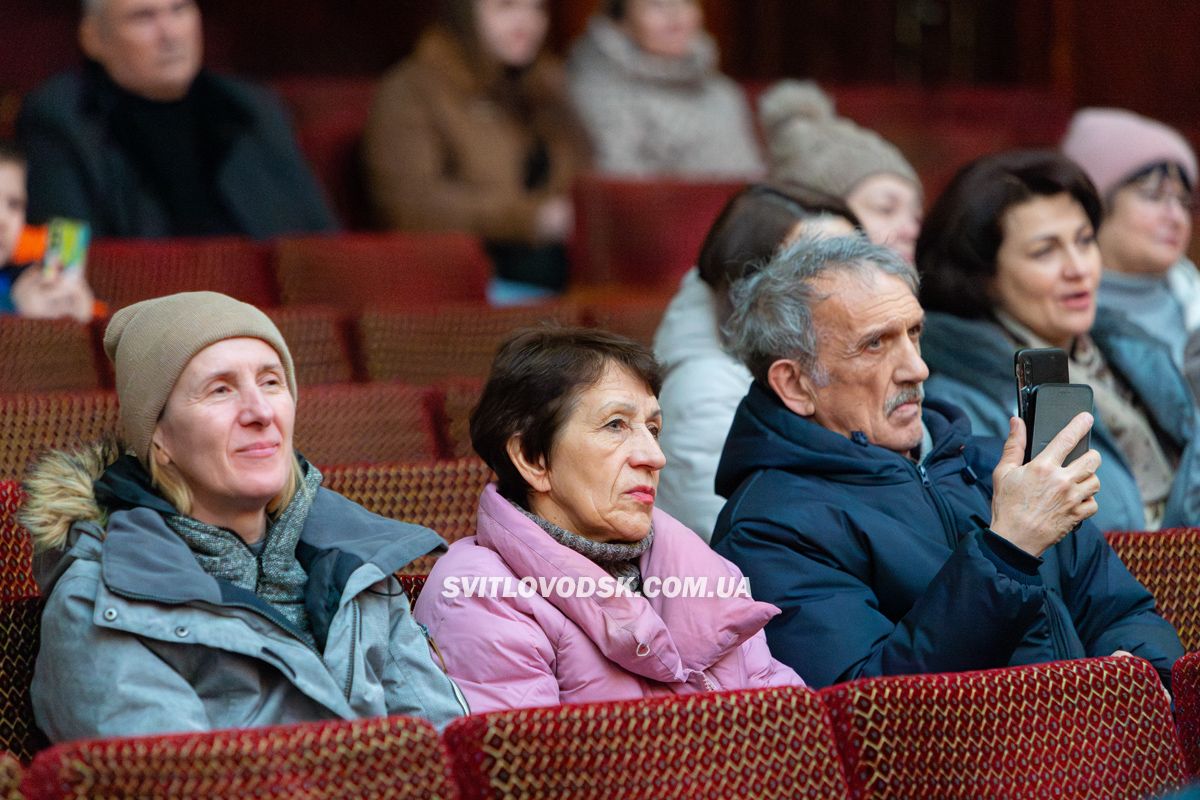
pixel 1047 400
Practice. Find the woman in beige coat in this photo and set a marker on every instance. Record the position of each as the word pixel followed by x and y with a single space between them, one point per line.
pixel 472 132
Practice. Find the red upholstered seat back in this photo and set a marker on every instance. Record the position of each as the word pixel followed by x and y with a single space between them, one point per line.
pixel 1167 563
pixel 32 423
pixel 1091 728
pixel 353 423
pixel 764 743
pixel 124 271
pixel 39 355
pixel 389 758
pixel 642 232
pixel 353 271
pixel 20 629
pixel 16 548
pixel 316 338
pixel 1185 683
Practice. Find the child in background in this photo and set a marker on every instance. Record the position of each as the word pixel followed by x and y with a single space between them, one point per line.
pixel 26 289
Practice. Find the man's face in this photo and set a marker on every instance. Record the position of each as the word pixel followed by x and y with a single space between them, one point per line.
pixel 869 349
pixel 152 48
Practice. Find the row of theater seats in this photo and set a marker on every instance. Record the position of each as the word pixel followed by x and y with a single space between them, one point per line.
pixel 937 128
pixel 418 345
pixel 1098 728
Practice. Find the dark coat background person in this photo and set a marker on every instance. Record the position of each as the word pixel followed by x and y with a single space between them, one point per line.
pixel 143 142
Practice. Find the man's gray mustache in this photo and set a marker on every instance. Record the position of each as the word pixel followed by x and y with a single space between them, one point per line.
pixel 914 395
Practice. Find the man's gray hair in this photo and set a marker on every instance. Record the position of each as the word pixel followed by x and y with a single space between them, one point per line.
pixel 772 315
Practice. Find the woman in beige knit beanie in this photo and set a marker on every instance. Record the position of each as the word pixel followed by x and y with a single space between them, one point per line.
pixel 205 578
pixel 808 144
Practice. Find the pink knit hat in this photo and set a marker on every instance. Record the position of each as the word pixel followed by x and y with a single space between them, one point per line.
pixel 1112 145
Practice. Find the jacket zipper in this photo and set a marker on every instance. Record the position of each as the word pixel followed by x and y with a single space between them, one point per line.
pixel 353 648
pixel 709 686
pixel 940 504
pixel 1057 634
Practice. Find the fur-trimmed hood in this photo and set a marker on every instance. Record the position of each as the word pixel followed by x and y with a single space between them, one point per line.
pixel 61 492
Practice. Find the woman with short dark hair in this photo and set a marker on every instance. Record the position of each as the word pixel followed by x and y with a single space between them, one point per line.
pixel 575 588
pixel 703 383
pixel 1009 260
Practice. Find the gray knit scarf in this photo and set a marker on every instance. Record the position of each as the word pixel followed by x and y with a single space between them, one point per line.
pixel 617 559
pixel 274 574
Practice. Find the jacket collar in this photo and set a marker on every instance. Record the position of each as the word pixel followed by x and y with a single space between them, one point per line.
pixel 766 434
pixel 663 639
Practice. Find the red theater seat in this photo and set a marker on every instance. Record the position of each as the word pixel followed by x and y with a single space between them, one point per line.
pixel 316 338
pixel 642 232
pixel 16 548
pixel 1185 683
pixel 397 758
pixel 353 271
pixel 1167 563
pixel 47 356
pixel 764 743
pixel 429 345
pixel 353 423
pixel 34 422
pixel 1091 728
pixel 442 495
pixel 20 629
pixel 123 271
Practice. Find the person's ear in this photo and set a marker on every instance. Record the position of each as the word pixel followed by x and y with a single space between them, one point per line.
pixel 535 473
pixel 793 386
pixel 158 450
pixel 89 37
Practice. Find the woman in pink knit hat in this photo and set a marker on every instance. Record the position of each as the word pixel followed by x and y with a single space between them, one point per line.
pixel 1145 173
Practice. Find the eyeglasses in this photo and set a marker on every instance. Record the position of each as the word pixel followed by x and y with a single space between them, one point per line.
pixel 1163 195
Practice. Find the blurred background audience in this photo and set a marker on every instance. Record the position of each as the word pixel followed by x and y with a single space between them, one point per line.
pixel 473 132
pixel 143 141
pixel 644 79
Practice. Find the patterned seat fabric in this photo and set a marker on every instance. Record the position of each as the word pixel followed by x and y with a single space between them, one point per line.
pixel 1098 728
pixel 39 355
pixel 391 758
pixel 1167 563
pixel 412 585
pixel 431 345
pixel 765 743
pixel 628 310
pixel 124 271
pixel 351 423
pixel 317 341
pixel 1185 683
pixel 20 626
pixel 459 398
pixel 353 271
pixel 442 495
pixel 31 423
pixel 16 548
pixel 10 777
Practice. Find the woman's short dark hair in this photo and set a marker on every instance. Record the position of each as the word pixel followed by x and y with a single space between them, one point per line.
pixel 535 379
pixel 615 9
pixel 752 226
pixel 956 251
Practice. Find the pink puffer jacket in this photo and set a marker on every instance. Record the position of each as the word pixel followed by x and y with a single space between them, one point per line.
pixel 545 649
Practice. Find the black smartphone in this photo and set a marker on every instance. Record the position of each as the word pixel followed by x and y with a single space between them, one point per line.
pixel 1052 406
pixel 1035 366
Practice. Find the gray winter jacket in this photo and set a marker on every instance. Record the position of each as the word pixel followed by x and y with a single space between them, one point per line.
pixel 138 639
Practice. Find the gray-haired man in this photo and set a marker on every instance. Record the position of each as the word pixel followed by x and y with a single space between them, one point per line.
pixel 870 518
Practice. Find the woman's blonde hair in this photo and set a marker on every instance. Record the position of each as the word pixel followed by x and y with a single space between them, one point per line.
pixel 173 488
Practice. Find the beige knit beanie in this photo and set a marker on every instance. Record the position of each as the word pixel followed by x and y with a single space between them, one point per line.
pixel 151 342
pixel 808 144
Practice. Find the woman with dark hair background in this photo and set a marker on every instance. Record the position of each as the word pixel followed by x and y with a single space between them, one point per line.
pixel 703 384
pixel 473 132
pixel 1009 259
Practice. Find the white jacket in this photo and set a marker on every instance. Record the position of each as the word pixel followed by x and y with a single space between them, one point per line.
pixel 700 394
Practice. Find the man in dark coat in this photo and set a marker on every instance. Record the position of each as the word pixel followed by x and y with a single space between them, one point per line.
pixel 894 541
pixel 143 142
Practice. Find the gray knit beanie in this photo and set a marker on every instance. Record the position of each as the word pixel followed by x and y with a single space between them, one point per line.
pixel 151 342
pixel 808 144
